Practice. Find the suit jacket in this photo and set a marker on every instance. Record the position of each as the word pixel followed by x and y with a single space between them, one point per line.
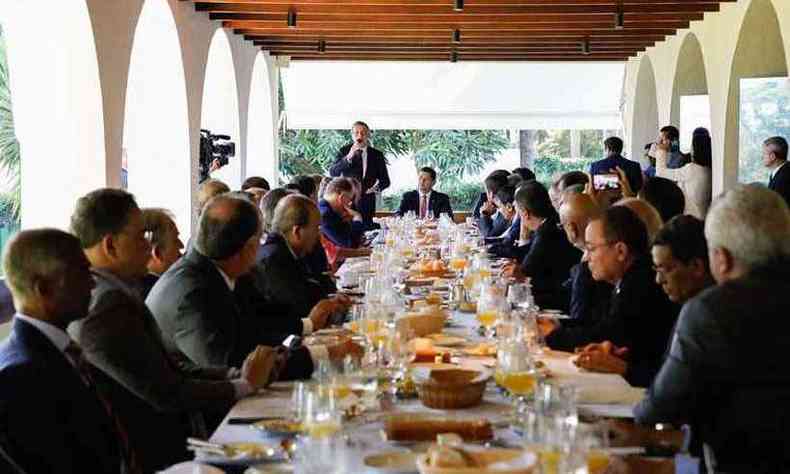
pixel 212 325
pixel 638 315
pixel 340 231
pixel 586 295
pixel 146 283
pixel 52 421
pixel 287 281
pixel 548 263
pixel 376 168
pixel 507 246
pixel 632 169
pixel 781 182
pixel 376 171
pixel 478 204
pixel 438 202
pixel 493 226
pixel 164 391
pixel 726 373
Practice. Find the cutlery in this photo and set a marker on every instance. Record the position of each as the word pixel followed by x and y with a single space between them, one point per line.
pixel 246 420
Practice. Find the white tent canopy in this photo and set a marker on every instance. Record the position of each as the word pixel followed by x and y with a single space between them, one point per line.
pixel 430 95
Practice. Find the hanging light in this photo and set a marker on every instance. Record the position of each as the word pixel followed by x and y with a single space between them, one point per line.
pixel 459 5
pixel 321 46
pixel 456 36
pixel 291 19
pixel 619 17
pixel 454 57
pixel 586 46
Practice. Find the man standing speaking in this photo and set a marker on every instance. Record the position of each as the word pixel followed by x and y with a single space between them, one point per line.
pixel 361 161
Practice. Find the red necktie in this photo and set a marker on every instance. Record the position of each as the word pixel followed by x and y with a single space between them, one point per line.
pixel 423 205
pixel 84 370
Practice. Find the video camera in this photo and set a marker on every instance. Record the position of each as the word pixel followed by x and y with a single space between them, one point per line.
pixel 214 147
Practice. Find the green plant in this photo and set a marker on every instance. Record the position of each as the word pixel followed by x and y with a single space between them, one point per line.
pixel 10 198
pixel 549 168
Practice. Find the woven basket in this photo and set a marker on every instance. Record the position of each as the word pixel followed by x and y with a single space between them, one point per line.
pixel 452 389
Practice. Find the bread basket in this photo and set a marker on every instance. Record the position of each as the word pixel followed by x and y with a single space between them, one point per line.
pixel 451 388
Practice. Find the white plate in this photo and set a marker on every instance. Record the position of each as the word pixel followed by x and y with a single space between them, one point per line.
pixel 190 467
pixel 396 462
pixel 242 460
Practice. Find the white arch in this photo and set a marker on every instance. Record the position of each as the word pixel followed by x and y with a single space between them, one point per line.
pixel 156 126
pixel 220 110
pixel 56 94
pixel 644 125
pixel 261 131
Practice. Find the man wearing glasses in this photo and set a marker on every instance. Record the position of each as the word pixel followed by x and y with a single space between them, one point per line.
pixel 639 314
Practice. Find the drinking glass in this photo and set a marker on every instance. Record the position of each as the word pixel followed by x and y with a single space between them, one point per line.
pixel 488 308
pixel 517 295
pixel 322 416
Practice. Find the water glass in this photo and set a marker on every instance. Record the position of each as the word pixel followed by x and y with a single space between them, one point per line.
pixel 518 295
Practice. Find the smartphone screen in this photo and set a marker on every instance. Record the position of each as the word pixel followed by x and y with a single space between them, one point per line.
pixel 603 182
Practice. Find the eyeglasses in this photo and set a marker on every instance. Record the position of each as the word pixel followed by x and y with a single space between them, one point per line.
pixel 590 248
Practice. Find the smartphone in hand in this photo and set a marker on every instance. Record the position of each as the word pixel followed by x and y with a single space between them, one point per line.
pixel 606 182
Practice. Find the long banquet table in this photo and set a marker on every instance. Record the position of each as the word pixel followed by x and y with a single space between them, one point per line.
pixel 599 395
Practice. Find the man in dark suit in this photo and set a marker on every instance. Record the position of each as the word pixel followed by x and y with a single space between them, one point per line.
pixel 165 393
pixel 162 235
pixel 54 419
pixel 485 210
pixel 205 305
pixel 550 256
pixel 614 147
pixel 360 160
pixel 680 257
pixel 726 370
pixel 282 274
pixel 775 159
pixel 340 223
pixel 425 201
pixel 638 315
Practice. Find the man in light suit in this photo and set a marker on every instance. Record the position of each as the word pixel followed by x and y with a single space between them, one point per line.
pixel 360 160
pixel 775 159
pixel 726 369
pixel 206 302
pixel 165 393
pixel 425 199
pixel 53 419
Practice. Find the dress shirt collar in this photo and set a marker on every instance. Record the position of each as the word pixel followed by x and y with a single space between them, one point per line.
pixel 57 336
pixel 776 170
pixel 228 280
pixel 427 195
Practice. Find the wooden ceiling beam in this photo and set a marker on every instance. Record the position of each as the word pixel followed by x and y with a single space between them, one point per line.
pixel 641 20
pixel 446 48
pixel 465 39
pixel 352 30
pixel 446 44
pixel 644 3
pixel 471 8
pixel 386 23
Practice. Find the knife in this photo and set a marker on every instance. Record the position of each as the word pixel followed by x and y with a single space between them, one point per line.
pixel 246 420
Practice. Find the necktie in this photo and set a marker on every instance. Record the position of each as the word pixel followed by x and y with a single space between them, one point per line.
pixel 423 205
pixel 84 370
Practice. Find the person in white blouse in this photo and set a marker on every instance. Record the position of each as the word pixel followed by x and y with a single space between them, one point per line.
pixel 693 178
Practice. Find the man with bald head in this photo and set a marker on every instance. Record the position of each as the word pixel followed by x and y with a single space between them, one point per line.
pixel 53 416
pixel 282 272
pixel 586 294
pixel 205 302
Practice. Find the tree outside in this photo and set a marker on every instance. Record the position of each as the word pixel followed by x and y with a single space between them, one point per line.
pixel 10 186
pixel 765 112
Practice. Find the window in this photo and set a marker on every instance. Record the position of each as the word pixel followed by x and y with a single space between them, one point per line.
pixel 694 113
pixel 765 112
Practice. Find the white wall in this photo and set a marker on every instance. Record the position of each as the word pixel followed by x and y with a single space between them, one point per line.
pixel 759 30
pixel 69 88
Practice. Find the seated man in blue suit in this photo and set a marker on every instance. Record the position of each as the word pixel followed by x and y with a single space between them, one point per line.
pixel 340 223
pixel 425 200
pixel 614 147
pixel 54 419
